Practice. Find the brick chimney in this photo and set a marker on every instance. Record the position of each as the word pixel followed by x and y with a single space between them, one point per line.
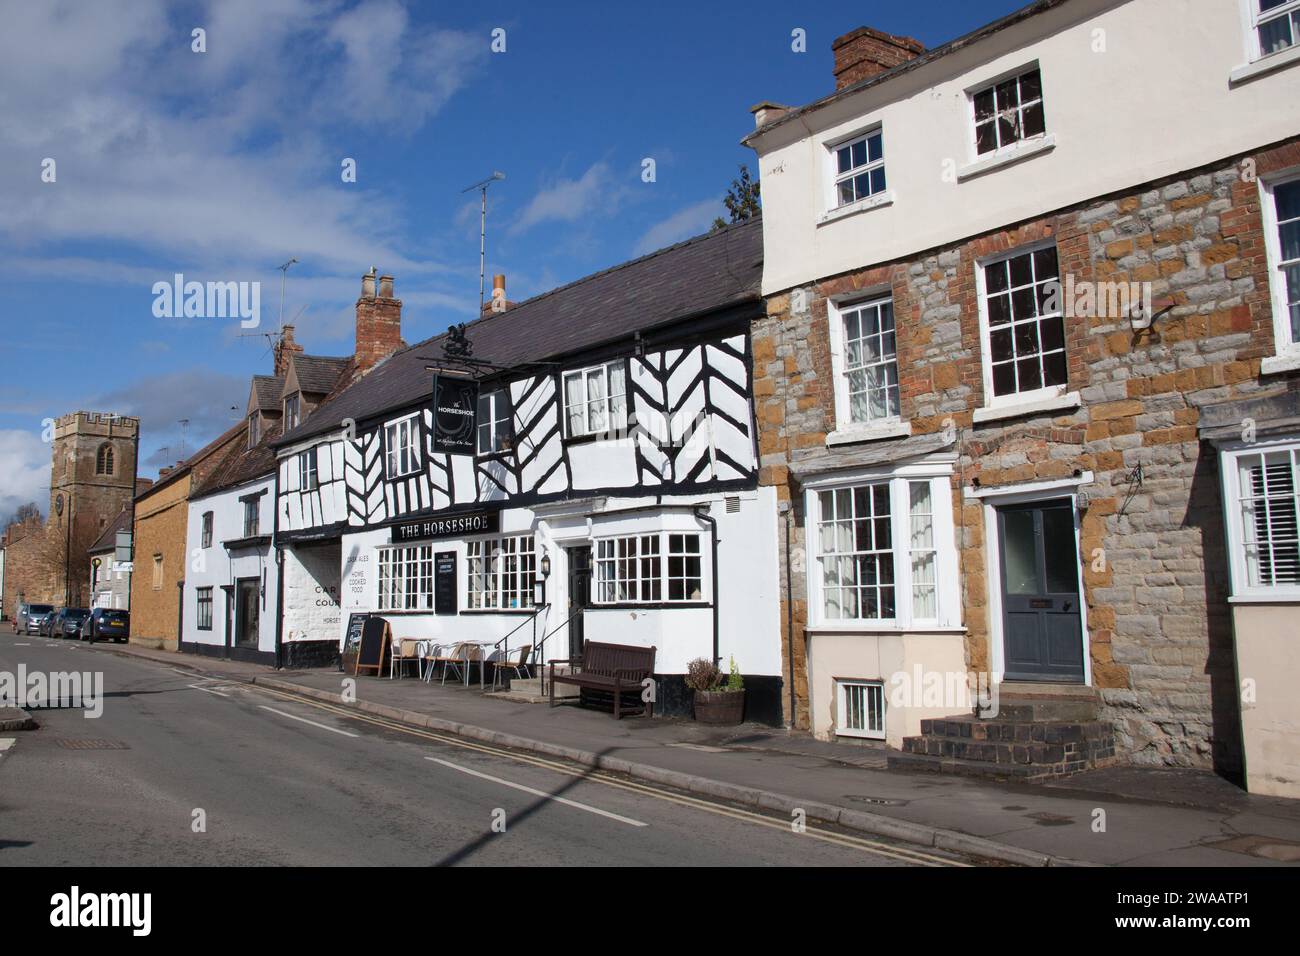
pixel 498 295
pixel 866 52
pixel 379 321
pixel 284 349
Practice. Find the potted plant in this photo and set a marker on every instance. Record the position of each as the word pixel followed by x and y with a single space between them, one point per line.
pixel 716 701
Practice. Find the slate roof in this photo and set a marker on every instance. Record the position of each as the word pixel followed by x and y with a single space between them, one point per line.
pixel 318 374
pixel 108 540
pixel 266 391
pixel 240 465
pixel 692 278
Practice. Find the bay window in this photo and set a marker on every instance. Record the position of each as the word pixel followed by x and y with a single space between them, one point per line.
pixel 631 569
pixel 882 549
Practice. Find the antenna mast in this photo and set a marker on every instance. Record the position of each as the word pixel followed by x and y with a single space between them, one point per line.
pixel 482 186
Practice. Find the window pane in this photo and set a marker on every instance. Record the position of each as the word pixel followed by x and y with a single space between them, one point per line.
pixel 1019 551
pixel 874 148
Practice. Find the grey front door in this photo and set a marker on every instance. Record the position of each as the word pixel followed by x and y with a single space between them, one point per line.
pixel 1042 628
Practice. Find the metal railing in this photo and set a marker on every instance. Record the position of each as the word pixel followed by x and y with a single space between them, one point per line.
pixel 537 648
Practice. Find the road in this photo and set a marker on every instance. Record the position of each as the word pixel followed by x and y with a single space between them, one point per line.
pixel 184 770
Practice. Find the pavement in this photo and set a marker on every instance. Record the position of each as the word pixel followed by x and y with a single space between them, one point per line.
pixel 1129 816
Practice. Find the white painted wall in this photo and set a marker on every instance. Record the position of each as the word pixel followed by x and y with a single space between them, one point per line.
pixel 214 567
pixel 311 593
pixel 747 586
pixel 1158 101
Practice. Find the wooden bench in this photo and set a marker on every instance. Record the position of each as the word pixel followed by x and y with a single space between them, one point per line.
pixel 613 668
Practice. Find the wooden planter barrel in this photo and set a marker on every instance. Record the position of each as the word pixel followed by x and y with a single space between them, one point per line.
pixel 719 706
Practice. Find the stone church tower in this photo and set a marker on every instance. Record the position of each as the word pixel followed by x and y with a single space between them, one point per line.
pixel 92 478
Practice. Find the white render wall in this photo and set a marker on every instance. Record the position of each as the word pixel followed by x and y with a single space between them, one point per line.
pixel 214 567
pixel 749 617
pixel 311 593
pixel 1156 102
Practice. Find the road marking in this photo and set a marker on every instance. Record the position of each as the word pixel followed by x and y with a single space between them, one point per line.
pixel 333 730
pixel 862 844
pixel 23 644
pixel 208 690
pixel 541 793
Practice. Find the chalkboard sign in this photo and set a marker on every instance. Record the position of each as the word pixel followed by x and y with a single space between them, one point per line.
pixel 375 638
pixel 444 582
pixel 353 639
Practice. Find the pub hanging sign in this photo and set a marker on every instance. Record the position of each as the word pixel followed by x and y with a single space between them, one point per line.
pixel 452 526
pixel 455 408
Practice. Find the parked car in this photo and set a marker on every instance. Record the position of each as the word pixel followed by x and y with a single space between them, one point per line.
pixel 34 616
pixel 47 623
pixel 105 623
pixel 67 621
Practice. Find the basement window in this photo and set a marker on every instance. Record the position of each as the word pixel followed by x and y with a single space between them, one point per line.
pixel 861 709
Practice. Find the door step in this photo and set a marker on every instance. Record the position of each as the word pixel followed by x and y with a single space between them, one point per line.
pixel 530 691
pixel 1014 745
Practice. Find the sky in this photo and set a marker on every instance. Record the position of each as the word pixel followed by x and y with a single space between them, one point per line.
pixel 224 163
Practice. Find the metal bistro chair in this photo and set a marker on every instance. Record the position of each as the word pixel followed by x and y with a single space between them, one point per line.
pixel 402 652
pixel 452 660
pixel 517 662
pixel 425 653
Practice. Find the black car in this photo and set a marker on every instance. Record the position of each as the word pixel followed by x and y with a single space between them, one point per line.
pixel 66 621
pixel 35 616
pixel 104 623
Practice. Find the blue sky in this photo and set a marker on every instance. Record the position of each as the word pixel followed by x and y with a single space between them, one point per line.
pixel 224 164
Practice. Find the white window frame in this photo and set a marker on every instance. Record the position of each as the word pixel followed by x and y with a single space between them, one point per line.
pixel 292 421
pixel 402 435
pixel 1230 461
pixel 1254 18
pixel 648 555
pixel 500 572
pixel 938 474
pixel 308 470
pixel 888 425
pixel 835 177
pixel 870 688
pixel 498 422
pixel 1285 344
pixel 613 426
pixel 406 578
pixel 1046 393
pixel 1018 145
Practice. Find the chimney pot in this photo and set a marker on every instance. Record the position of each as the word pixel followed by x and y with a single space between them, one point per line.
pixel 385 287
pixel 767 112
pixel 865 52
pixel 368 284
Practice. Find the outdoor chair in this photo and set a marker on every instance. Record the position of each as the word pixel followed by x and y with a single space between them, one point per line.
pixel 517 662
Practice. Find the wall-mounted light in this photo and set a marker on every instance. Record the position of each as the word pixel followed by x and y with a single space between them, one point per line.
pixel 546 563
pixel 539 583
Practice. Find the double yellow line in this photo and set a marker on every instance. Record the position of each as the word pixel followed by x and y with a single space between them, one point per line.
pixel 902 854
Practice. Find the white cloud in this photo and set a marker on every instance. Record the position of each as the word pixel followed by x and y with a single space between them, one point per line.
pixel 689 221
pixel 26 474
pixel 568 200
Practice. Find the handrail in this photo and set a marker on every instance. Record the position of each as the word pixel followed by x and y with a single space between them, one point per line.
pixel 537 609
pixel 537 648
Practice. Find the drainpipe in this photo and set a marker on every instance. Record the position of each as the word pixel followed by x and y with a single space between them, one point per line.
pixel 279 608
pixel 789 611
pixel 702 513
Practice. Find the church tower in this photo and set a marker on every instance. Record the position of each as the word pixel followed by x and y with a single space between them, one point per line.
pixel 92 478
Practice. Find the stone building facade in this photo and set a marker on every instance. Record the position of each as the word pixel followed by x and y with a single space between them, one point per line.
pixel 1155 571
pixel 92 478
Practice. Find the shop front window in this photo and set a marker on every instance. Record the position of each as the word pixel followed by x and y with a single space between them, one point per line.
pixel 501 572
